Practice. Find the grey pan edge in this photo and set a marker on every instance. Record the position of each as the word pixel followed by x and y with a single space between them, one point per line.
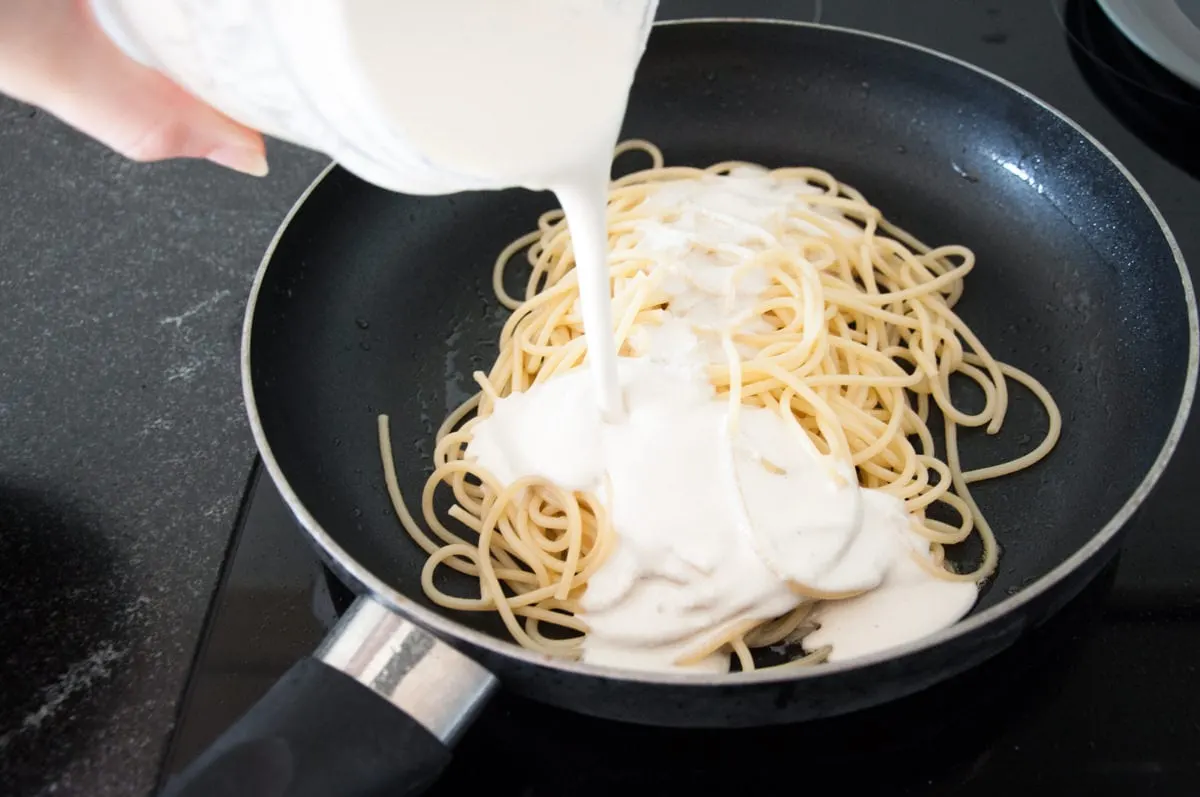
pixel 1161 30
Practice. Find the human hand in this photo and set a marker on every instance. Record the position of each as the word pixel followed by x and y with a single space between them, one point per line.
pixel 54 55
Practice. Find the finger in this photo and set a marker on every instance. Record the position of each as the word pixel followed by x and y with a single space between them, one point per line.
pixel 64 63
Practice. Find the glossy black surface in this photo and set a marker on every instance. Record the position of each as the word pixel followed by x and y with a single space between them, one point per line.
pixel 1110 707
pixel 1161 108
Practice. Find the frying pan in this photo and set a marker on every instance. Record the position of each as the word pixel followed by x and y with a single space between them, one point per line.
pixel 370 302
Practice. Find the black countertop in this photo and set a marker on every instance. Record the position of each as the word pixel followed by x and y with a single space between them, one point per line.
pixel 123 442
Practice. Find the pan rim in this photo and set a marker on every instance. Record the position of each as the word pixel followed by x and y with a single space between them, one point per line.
pixel 449 628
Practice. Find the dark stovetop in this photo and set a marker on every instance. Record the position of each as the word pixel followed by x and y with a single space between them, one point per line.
pixel 1103 699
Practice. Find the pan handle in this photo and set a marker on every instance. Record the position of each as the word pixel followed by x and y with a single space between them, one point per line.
pixel 374 711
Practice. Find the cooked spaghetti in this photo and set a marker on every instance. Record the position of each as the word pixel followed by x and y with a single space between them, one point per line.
pixel 854 339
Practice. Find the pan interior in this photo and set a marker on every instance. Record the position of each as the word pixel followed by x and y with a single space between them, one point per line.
pixel 377 302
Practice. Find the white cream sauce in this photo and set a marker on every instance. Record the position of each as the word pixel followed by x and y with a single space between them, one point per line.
pixel 710 532
pixel 532 93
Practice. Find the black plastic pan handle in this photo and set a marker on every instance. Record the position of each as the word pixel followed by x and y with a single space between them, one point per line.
pixel 375 711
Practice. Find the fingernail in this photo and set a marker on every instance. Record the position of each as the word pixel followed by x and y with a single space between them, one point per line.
pixel 240 159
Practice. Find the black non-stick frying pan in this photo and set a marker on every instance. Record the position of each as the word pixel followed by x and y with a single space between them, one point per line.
pixel 373 302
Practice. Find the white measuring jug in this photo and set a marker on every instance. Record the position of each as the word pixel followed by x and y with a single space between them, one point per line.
pixel 417 96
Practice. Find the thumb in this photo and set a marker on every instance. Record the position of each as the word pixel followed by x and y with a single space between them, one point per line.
pixel 59 59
